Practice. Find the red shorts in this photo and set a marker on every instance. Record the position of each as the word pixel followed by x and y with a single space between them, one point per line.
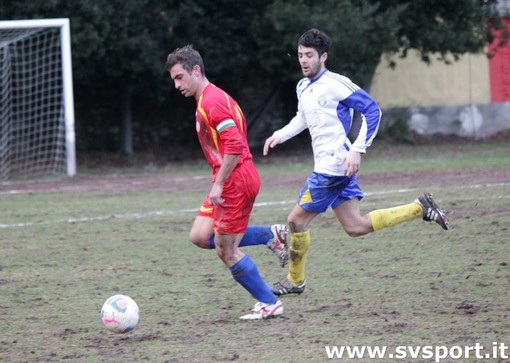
pixel 239 193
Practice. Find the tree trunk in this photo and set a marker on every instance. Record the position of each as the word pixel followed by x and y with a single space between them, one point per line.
pixel 127 123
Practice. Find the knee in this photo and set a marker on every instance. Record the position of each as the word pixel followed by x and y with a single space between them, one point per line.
pixel 199 240
pixel 226 255
pixel 296 225
pixel 222 254
pixel 198 243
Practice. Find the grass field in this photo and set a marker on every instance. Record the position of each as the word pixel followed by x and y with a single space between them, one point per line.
pixel 66 246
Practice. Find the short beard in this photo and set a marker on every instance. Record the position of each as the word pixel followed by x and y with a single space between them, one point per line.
pixel 314 72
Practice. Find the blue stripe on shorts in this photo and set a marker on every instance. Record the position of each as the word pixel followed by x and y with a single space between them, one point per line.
pixel 322 191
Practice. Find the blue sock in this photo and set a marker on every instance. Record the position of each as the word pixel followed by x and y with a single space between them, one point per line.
pixel 247 274
pixel 254 235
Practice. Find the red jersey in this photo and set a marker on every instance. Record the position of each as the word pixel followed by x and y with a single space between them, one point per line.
pixel 221 127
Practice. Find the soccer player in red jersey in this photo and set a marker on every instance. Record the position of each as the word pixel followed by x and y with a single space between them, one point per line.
pixel 222 132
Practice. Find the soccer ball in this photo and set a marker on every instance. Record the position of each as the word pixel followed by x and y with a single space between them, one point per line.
pixel 119 314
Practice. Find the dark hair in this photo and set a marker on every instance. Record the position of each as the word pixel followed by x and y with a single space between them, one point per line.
pixel 314 38
pixel 187 56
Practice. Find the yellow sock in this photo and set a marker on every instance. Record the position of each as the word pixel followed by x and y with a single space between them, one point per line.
pixel 383 218
pixel 299 245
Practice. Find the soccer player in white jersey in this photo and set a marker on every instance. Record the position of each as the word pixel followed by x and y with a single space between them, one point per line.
pixel 326 102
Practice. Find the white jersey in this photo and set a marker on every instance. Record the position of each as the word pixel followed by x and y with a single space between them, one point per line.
pixel 326 105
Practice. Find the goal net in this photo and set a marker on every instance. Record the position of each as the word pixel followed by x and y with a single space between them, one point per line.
pixel 36 99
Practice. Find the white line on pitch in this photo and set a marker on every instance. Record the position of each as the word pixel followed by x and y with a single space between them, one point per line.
pixel 185 211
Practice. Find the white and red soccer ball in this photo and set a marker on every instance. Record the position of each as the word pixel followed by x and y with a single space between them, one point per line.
pixel 119 314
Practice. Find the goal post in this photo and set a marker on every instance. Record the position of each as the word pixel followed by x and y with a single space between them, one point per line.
pixel 37 136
